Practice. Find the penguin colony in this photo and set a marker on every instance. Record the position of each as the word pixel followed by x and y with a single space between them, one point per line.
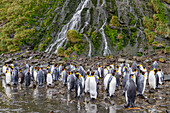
pixel 133 78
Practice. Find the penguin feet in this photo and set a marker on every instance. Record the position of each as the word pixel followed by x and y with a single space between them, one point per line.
pixel 123 94
pixel 126 106
pixel 133 105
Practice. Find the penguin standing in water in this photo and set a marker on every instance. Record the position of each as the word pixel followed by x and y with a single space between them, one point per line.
pixel 87 83
pixel 55 73
pixel 71 81
pixel 93 86
pixel 125 79
pixel 78 86
pixel 49 78
pixel 141 83
pixel 111 87
pixel 45 74
pixel 21 77
pixel 130 92
pixel 35 74
pixel 4 68
pixel 8 77
pixel 64 76
pixel 27 79
pixel 15 75
pixel 40 76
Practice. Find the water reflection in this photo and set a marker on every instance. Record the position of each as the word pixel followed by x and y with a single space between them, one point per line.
pixel 49 93
pixel 90 107
pixel 7 89
pixel 112 109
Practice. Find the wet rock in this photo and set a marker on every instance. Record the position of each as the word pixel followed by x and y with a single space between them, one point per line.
pixel 10 60
pixel 151 101
pixel 167 78
pixel 121 60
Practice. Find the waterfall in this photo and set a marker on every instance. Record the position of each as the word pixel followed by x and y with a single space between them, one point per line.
pixel 74 23
pixel 101 30
pixel 90 49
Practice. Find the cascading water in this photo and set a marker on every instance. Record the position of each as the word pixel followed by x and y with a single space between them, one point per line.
pixel 101 30
pixel 90 48
pixel 74 23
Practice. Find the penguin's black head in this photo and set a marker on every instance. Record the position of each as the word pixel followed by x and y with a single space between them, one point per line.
pixel 135 69
pixel 117 66
pixel 155 70
pixel 131 75
pixel 20 70
pixel 137 66
pixel 159 70
pixel 92 73
pixel 77 75
pixel 143 73
pixel 88 73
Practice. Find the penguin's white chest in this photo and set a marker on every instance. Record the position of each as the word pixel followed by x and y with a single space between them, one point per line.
pixel 106 79
pixel 87 84
pixel 93 88
pixel 35 76
pixel 105 72
pixel 4 69
pixel 49 79
pixel 8 78
pixel 152 80
pixel 112 86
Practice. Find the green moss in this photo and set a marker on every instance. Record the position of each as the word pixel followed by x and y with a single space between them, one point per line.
pixel 42 47
pixel 66 53
pixel 158 7
pixel 133 29
pixel 119 46
pixel 150 36
pixel 167 49
pixel 120 36
pixel 73 36
pixel 114 21
pixel 148 23
pixel 60 51
pixel 111 34
pixel 12 48
pixel 139 54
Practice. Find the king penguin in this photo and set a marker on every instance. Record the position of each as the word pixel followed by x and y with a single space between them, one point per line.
pixel 155 65
pixel 49 78
pixel 141 83
pixel 64 76
pixel 78 86
pixel 152 79
pixel 130 92
pixel 35 74
pixel 125 79
pixel 71 81
pixel 20 77
pixel 15 76
pixel 8 77
pixel 106 79
pixel 105 71
pixel 93 86
pixel 87 83
pixel 111 84
pixel 27 79
pixel 161 76
pixel 40 76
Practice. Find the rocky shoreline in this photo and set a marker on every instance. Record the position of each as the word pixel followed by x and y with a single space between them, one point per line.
pixel 42 58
